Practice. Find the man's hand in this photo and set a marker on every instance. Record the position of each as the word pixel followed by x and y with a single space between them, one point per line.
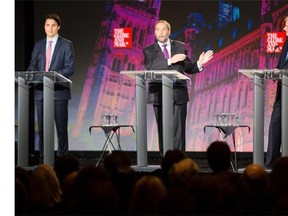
pixel 205 57
pixel 177 58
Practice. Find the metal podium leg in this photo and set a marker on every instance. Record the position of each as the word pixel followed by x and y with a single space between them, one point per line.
pixel 167 101
pixel 284 116
pixel 141 122
pixel 23 122
pixel 258 133
pixel 48 121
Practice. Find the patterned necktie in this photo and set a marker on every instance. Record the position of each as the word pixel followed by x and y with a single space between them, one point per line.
pixel 48 55
pixel 165 51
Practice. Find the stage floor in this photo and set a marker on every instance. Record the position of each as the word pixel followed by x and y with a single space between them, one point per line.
pixel 154 160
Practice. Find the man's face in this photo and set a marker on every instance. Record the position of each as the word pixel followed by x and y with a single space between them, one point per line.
pixel 51 28
pixel 162 32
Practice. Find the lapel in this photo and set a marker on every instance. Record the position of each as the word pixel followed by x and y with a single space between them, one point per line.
pixel 283 59
pixel 56 49
pixel 158 52
pixel 173 47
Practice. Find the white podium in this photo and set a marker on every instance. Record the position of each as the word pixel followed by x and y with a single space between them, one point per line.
pixel 23 79
pixel 259 76
pixel 166 77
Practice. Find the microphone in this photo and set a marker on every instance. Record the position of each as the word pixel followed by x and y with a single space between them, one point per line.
pixel 33 62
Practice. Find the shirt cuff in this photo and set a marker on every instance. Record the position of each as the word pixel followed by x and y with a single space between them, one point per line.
pixel 200 67
pixel 169 62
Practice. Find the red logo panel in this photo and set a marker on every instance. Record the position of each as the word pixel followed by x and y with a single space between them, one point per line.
pixel 122 37
pixel 275 41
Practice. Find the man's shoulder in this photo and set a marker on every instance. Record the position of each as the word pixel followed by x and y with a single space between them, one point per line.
pixel 176 42
pixel 65 40
pixel 151 46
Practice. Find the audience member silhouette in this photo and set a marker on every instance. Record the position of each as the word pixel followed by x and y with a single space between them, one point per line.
pixel 205 195
pixel 148 196
pixel 219 156
pixel 64 165
pixel 179 200
pixel 118 163
pixel 22 190
pixel 46 193
pixel 182 172
pixel 68 197
pixel 279 186
pixel 94 192
pixel 255 194
pixel 170 157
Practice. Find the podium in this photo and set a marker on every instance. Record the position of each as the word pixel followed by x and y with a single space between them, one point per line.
pixel 259 76
pixel 166 77
pixel 23 79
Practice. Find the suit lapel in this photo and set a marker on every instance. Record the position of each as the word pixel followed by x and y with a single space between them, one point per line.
pixel 284 61
pixel 173 48
pixel 56 49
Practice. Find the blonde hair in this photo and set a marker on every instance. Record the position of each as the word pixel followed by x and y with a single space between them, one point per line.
pixel 165 23
pixel 45 189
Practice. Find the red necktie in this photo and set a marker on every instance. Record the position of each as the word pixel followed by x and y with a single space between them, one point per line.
pixel 165 51
pixel 48 55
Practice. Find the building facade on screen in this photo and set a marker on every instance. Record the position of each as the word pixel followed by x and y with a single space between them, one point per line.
pixel 238 43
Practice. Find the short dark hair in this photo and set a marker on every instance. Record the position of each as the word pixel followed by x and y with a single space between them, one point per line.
pixel 54 17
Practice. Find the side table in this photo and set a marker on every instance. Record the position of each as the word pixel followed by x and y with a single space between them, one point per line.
pixel 110 131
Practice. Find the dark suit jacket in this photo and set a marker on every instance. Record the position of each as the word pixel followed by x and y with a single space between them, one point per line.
pixel 63 62
pixel 282 64
pixel 154 60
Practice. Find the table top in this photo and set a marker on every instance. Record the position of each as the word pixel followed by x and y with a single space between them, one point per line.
pixel 109 128
pixel 227 129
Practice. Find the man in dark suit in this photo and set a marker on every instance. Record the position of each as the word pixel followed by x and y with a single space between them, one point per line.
pixel 173 58
pixel 274 140
pixel 54 53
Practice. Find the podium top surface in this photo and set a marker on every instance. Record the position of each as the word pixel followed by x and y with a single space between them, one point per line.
pixel 265 73
pixel 37 76
pixel 153 73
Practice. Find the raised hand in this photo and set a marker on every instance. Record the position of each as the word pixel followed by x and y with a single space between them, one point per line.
pixel 205 57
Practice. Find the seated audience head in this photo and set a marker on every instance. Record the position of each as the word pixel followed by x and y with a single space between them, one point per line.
pixel 255 177
pixel 171 157
pixel 219 156
pixel 117 161
pixel 95 192
pixel 45 188
pixel 65 165
pixel 279 176
pixel 183 172
pixel 147 196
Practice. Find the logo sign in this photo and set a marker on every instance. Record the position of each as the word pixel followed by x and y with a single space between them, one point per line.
pixel 275 42
pixel 122 37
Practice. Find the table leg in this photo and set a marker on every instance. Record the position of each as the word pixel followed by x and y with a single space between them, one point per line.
pixel 235 152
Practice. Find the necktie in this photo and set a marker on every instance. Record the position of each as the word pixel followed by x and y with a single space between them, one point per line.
pixel 48 55
pixel 165 51
pixel 287 55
